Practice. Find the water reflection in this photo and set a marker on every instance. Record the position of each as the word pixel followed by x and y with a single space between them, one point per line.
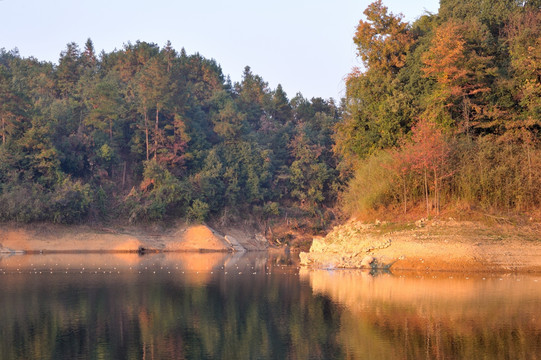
pixel 192 305
pixel 161 306
pixel 434 316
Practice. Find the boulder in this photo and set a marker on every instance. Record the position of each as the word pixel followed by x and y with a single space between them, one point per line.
pixel 231 240
pixel 366 262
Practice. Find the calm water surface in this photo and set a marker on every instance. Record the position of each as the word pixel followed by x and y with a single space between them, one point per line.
pixel 256 306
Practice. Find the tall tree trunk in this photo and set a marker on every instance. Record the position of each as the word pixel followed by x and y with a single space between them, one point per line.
pixel 156 128
pixel 405 200
pixel 529 167
pixel 3 130
pixel 426 194
pixel 466 114
pixel 111 131
pixel 436 193
pixel 124 176
pixel 146 133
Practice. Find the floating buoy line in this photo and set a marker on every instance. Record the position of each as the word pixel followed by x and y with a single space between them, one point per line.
pixel 154 268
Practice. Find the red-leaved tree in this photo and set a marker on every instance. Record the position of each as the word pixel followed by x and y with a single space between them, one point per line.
pixel 430 155
pixel 427 155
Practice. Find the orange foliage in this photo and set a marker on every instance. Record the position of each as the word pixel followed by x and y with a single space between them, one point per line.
pixel 383 40
pixel 444 59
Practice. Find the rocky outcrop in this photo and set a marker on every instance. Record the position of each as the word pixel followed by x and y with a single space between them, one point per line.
pixel 426 245
pixel 234 243
pixel 248 237
pixel 5 250
pixel 346 246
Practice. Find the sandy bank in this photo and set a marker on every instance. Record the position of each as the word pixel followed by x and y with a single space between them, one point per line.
pixel 183 237
pixel 429 245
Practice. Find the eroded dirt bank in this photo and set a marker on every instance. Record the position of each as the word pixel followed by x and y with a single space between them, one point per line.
pixel 428 245
pixel 183 237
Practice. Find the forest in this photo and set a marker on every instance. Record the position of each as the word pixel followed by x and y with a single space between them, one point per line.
pixel 444 112
pixel 148 133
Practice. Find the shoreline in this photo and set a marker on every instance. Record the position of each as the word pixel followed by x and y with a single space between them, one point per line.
pixel 435 245
pixel 425 246
pixel 52 238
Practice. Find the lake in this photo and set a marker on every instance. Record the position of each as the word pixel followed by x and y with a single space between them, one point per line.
pixel 257 306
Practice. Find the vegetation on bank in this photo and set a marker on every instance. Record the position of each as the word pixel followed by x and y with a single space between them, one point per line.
pixel 444 112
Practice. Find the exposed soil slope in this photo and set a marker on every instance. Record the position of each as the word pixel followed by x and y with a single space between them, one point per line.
pixel 183 237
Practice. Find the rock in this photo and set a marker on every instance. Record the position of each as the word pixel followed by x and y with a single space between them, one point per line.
pixel 318 245
pixel 234 243
pixel 346 246
pixel 366 262
pixel 259 237
pixel 305 258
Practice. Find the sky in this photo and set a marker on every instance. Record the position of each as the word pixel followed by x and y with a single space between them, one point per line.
pixel 305 45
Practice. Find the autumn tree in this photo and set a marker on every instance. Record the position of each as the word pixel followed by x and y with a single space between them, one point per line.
pixel 383 40
pixel 376 108
pixel 431 156
pixel 402 165
pixel 462 74
pixel 154 89
pixel 426 155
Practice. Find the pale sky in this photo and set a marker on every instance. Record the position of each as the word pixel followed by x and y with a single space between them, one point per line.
pixel 305 45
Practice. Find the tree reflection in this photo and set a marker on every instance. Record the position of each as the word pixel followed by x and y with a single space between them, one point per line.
pixel 162 313
pixel 434 316
pixel 231 307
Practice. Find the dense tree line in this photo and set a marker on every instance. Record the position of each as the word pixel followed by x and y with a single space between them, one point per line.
pixel 147 133
pixel 446 110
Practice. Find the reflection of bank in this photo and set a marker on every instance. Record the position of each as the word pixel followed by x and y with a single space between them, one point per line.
pixel 439 315
pixel 62 262
pixel 196 268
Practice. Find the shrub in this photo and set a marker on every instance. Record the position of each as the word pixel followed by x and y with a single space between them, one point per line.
pixel 198 211
pixel 70 201
pixel 497 175
pixel 488 172
pixel 161 195
pixel 25 203
pixel 372 185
